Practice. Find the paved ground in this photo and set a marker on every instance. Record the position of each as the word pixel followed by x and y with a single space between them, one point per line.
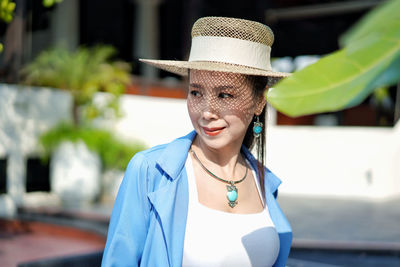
pixel 327 232
pixel 32 247
pixel 33 241
pixel 343 232
pixel 345 220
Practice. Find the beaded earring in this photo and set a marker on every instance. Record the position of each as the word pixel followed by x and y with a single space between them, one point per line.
pixel 257 127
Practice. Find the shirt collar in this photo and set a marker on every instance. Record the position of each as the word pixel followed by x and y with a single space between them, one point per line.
pixel 173 159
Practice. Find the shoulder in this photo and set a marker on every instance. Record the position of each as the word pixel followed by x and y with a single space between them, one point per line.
pixel 145 159
pixel 159 152
pixel 141 175
pixel 166 157
pixel 148 155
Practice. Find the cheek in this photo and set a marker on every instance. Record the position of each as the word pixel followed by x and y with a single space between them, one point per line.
pixel 241 117
pixel 193 109
pixel 193 104
pixel 244 109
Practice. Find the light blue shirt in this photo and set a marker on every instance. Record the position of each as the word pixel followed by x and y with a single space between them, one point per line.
pixel 148 222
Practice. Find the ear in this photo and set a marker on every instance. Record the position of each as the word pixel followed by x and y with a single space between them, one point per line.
pixel 261 102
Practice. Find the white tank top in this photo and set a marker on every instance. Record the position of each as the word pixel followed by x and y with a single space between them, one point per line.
pixel 218 238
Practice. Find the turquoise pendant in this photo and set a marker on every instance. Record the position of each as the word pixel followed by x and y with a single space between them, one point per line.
pixel 232 195
pixel 257 129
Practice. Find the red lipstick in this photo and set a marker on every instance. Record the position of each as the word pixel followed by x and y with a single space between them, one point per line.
pixel 213 131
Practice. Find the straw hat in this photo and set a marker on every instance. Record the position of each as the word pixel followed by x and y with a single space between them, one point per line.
pixel 226 45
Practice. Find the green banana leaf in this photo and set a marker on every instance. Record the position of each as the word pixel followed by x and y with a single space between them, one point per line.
pixel 370 59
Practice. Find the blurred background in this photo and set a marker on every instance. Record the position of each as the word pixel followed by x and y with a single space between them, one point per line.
pixel 76 105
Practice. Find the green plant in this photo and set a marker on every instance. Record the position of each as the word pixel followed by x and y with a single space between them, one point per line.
pixel 7 8
pixel 50 3
pixel 83 73
pixel 114 154
pixel 369 59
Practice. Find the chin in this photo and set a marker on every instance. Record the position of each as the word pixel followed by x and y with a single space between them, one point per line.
pixel 216 142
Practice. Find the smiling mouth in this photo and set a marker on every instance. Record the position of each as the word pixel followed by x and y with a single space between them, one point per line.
pixel 213 131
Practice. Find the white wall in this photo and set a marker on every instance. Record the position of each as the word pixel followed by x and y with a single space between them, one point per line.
pixel 336 161
pixel 330 161
pixel 155 120
pixel 24 114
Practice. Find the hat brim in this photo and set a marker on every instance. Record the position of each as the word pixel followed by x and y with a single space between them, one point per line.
pixel 182 67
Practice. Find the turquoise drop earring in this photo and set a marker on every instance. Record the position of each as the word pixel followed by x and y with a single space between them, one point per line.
pixel 257 127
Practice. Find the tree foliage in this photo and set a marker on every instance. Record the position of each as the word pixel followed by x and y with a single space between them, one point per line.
pixel 7 9
pixel 369 59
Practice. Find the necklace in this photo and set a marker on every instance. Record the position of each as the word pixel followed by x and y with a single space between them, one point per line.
pixel 232 193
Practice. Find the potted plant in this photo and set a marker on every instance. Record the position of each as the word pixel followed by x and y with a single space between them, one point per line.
pixel 79 150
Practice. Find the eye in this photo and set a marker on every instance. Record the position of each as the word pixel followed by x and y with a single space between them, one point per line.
pixel 195 93
pixel 225 95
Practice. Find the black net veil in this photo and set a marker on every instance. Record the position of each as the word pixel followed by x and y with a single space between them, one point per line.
pixel 232 94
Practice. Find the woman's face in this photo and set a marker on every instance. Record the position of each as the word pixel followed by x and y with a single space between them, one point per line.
pixel 221 106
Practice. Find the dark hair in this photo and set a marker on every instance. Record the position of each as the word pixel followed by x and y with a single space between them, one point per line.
pixel 260 83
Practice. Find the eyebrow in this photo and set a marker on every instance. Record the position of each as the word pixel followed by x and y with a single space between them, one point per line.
pixel 222 87
pixel 196 85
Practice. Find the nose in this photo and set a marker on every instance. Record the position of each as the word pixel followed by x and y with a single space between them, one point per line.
pixel 208 115
pixel 209 110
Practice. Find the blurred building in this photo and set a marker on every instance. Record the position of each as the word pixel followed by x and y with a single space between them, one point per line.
pixel 359 162
pixel 161 29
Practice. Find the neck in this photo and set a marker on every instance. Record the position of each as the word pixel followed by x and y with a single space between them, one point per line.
pixel 223 160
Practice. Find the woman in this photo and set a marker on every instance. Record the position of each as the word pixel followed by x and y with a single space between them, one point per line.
pixel 203 199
